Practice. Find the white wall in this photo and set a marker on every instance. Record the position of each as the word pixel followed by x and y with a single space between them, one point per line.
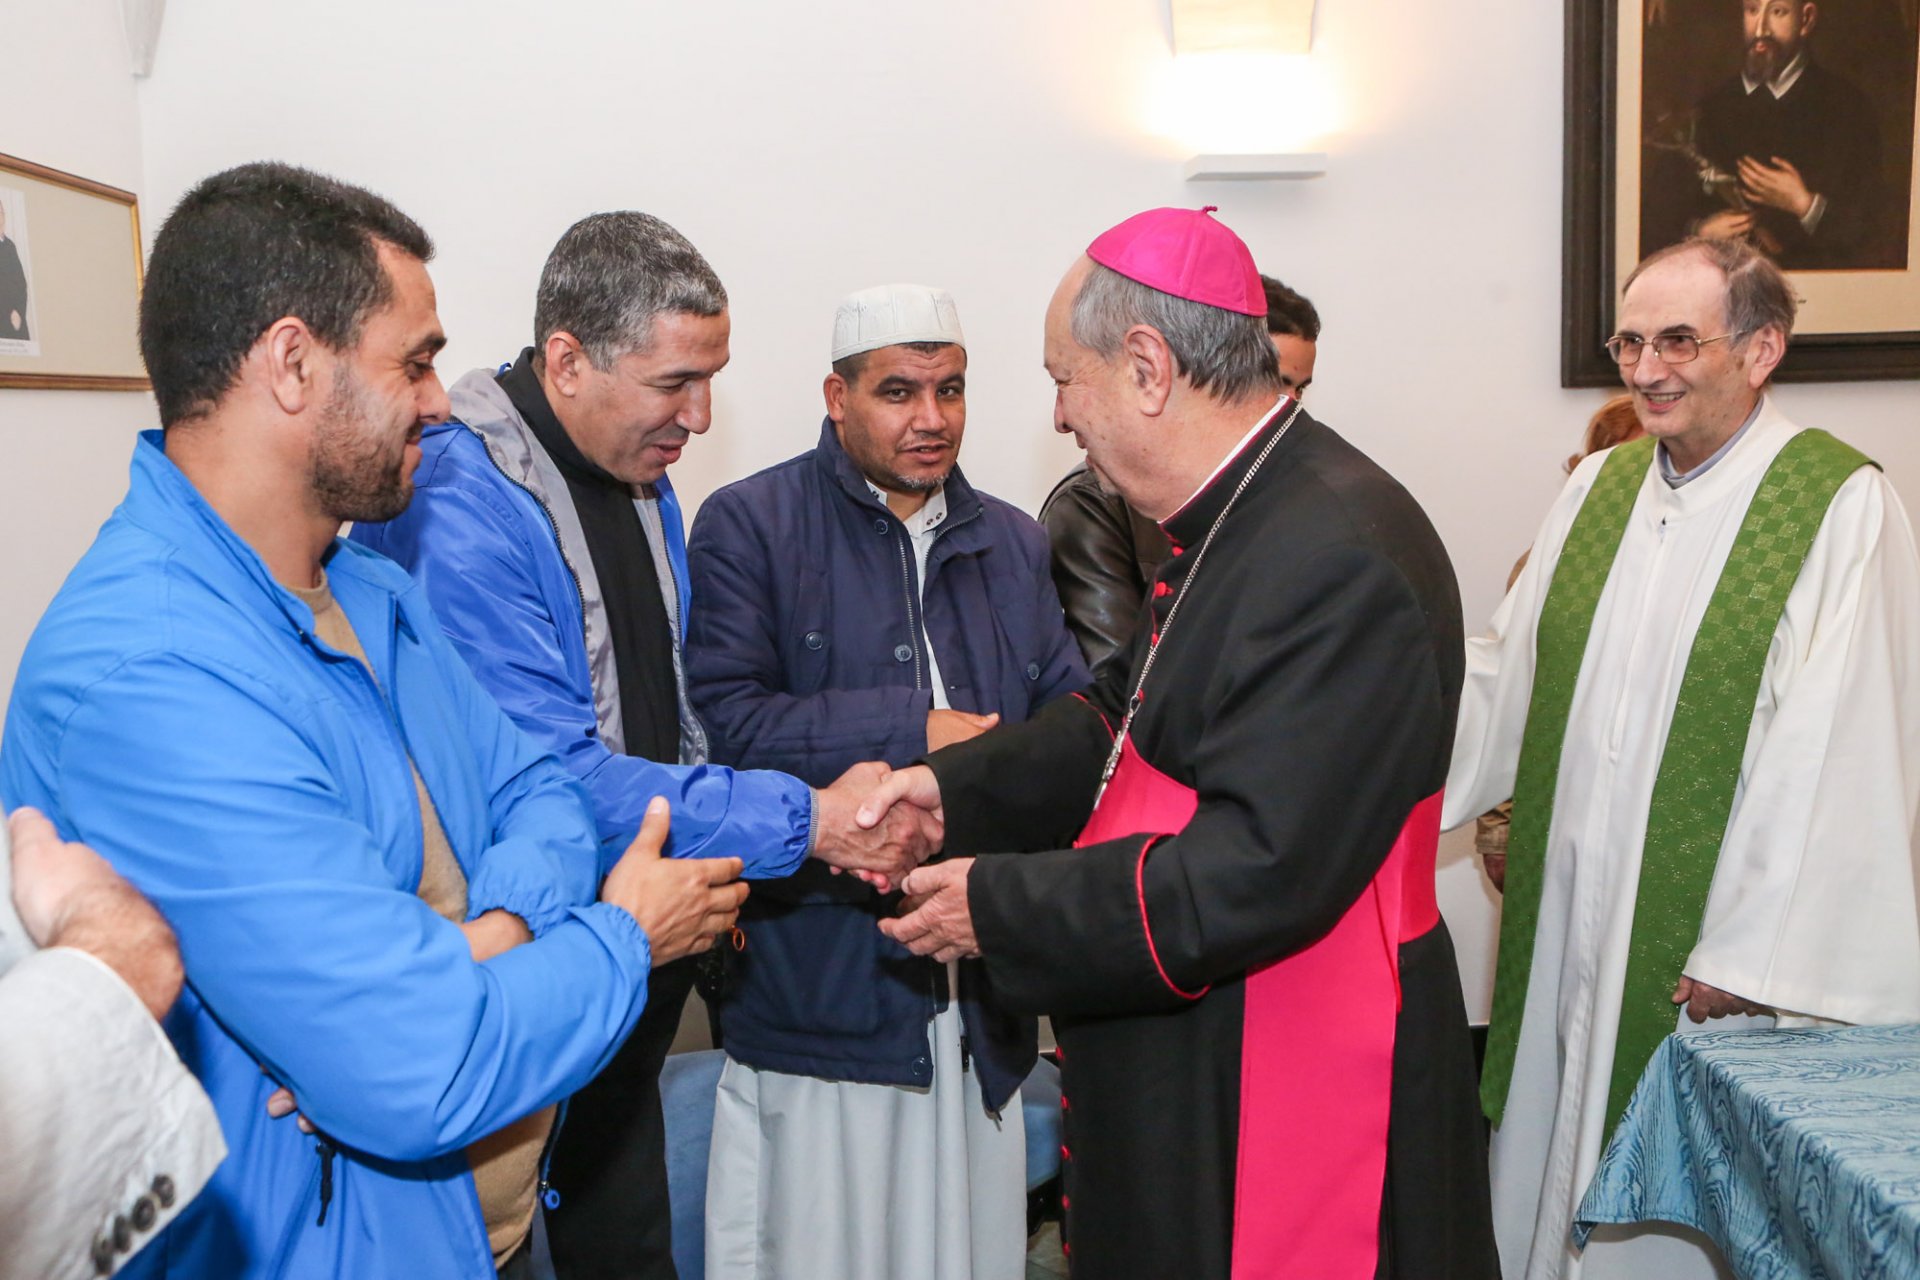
pixel 69 104
pixel 812 149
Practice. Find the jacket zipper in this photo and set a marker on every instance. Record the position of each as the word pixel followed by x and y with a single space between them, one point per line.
pixel 324 1148
pixel 544 1195
pixel 906 578
pixel 913 616
pixel 326 1154
pixel 290 1236
pixel 904 541
pixel 553 527
pixel 390 709
pixel 673 578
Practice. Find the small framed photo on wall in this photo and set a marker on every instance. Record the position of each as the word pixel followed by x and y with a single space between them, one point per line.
pixel 1786 123
pixel 69 281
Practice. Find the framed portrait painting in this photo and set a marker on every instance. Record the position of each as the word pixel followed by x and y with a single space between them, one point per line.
pixel 69 281
pixel 1786 123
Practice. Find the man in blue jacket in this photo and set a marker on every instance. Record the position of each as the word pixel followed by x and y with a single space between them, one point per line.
pixel 864 602
pixel 547 536
pixel 384 892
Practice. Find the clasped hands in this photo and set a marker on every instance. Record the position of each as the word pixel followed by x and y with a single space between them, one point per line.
pixel 870 829
pixel 935 919
pixel 881 824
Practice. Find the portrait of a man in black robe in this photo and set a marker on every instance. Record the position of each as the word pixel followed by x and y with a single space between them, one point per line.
pixel 13 285
pixel 1762 124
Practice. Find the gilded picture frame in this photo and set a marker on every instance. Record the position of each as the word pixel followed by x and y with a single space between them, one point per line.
pixel 70 276
pixel 1661 97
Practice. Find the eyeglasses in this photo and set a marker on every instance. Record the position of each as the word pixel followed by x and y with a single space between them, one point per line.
pixel 1672 348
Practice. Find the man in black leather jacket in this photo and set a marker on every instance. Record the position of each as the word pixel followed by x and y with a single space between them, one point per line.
pixel 1105 554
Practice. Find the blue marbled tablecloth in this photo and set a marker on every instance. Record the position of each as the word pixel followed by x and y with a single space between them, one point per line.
pixel 1798 1152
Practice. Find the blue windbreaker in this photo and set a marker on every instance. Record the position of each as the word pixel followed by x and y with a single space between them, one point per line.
pixel 175 711
pixel 492 537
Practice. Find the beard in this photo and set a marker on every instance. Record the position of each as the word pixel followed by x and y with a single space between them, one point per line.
pixel 913 484
pixel 1765 60
pixel 354 472
pixel 881 466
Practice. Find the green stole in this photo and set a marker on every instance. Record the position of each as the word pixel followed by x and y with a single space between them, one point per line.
pixel 1700 764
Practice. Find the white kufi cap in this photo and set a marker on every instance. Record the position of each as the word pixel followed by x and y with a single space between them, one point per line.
pixel 891 314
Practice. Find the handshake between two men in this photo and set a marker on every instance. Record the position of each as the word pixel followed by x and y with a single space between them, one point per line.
pixel 902 808
pixel 876 823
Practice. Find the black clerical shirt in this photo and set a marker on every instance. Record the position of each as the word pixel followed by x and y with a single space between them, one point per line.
pixel 637 619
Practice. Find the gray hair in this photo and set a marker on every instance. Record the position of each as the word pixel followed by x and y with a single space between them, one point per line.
pixel 1222 352
pixel 611 274
pixel 1758 292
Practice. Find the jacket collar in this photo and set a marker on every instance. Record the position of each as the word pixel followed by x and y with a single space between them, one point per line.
pixel 161 500
pixel 529 399
pixel 1751 452
pixel 963 504
pixel 1190 523
pixel 482 406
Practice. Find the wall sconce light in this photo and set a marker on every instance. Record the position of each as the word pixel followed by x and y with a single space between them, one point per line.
pixel 1244 92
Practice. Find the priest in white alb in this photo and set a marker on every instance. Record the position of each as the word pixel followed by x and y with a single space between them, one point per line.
pixel 1703 697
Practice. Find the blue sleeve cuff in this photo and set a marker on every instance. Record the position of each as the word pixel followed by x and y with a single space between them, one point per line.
pixel 619 930
pixel 534 883
pixel 765 819
pixel 771 825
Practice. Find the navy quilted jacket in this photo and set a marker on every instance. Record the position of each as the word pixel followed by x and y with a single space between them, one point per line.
pixel 804 654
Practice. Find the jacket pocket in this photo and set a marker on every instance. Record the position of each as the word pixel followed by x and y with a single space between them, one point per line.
pixel 809 973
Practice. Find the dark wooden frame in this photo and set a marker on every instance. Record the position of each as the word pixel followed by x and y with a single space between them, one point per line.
pixel 1587 234
pixel 87 186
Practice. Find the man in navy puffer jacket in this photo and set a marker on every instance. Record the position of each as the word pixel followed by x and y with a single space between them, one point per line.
pixel 864 602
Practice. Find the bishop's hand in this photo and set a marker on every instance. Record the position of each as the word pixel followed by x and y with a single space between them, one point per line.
pixel 915 785
pixel 936 918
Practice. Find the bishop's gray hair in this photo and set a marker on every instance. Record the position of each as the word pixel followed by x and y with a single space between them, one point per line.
pixel 611 274
pixel 1221 352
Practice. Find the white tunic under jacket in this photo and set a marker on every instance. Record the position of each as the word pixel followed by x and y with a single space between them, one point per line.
pixel 1813 905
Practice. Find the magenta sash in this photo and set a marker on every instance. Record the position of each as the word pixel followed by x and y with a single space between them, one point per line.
pixel 1316 1058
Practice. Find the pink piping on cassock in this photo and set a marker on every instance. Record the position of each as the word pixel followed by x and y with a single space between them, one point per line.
pixel 1097 711
pixel 1146 927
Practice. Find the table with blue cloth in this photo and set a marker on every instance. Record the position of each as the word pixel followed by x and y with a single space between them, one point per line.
pixel 1797 1152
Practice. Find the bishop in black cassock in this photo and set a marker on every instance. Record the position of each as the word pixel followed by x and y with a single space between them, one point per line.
pixel 1265 1057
